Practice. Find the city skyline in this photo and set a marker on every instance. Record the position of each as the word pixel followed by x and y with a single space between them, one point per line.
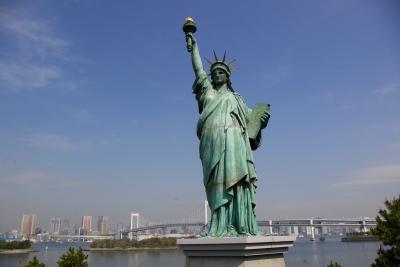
pixel 98 115
pixel 311 227
pixel 62 226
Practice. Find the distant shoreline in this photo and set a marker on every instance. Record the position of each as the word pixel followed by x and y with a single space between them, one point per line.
pixel 360 238
pixel 127 249
pixel 17 251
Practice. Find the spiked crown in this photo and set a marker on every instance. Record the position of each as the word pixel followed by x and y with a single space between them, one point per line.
pixel 217 64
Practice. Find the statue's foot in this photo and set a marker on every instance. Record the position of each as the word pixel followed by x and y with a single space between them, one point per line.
pixel 205 236
pixel 231 231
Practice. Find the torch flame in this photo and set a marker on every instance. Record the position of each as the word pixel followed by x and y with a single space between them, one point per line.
pixel 189 19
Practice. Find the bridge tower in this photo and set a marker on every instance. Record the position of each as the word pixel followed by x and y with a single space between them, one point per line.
pixel 312 230
pixel 363 226
pixel 133 215
pixel 270 227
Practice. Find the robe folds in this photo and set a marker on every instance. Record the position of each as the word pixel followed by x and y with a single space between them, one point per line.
pixel 228 169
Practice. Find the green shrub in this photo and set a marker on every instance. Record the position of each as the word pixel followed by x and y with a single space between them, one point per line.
pixel 335 264
pixel 34 263
pixel 388 231
pixel 117 243
pixel 73 258
pixel 15 244
pixel 154 242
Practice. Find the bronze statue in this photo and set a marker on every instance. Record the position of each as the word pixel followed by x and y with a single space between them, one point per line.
pixel 228 130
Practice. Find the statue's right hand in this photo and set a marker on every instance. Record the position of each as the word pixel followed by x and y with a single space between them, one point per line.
pixel 191 36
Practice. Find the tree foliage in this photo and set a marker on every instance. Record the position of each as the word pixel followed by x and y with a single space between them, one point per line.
pixel 113 243
pixel 388 231
pixel 73 258
pixel 34 262
pixel 154 242
pixel 15 244
pixel 334 264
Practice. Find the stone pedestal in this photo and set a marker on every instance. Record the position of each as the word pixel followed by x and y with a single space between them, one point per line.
pixel 266 251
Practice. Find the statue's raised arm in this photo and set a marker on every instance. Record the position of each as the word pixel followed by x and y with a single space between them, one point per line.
pixel 190 28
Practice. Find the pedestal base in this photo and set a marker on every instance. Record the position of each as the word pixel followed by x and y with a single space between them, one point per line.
pixel 266 251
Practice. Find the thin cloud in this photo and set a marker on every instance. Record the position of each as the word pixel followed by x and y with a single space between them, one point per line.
pixel 81 114
pixel 34 56
pixel 70 184
pixel 379 175
pixel 393 146
pixel 51 141
pixel 33 37
pixel 62 142
pixel 29 177
pixel 388 90
pixel 41 178
pixel 20 75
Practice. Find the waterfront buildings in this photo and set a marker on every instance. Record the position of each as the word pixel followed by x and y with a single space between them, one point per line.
pixel 11 234
pixel 65 227
pixel 87 223
pixel 102 225
pixel 77 228
pixel 28 224
pixel 55 226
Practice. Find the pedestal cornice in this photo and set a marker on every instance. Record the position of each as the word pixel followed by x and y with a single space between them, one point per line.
pixel 236 246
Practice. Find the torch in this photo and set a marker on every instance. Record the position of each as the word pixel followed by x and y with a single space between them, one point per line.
pixel 189 26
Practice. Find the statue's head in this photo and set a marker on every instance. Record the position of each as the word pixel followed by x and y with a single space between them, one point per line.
pixel 220 71
pixel 219 76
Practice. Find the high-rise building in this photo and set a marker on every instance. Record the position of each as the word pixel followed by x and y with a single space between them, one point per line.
pixel 87 223
pixel 77 228
pixel 55 226
pixel 102 225
pixel 65 227
pixel 28 224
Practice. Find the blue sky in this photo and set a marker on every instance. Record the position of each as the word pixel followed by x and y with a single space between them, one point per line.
pixel 98 117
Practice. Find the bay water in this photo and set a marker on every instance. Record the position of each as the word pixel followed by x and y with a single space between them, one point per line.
pixel 304 253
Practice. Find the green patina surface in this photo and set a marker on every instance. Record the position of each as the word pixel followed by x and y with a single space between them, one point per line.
pixel 225 147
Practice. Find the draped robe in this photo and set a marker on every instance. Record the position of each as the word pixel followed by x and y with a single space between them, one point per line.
pixel 228 168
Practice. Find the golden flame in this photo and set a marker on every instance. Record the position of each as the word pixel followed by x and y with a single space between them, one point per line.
pixel 189 19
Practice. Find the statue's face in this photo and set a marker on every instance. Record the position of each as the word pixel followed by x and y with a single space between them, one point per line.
pixel 219 77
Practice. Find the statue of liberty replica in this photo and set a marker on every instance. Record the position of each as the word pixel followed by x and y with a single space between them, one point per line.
pixel 228 131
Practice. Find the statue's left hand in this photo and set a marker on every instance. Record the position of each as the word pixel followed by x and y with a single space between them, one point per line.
pixel 264 119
